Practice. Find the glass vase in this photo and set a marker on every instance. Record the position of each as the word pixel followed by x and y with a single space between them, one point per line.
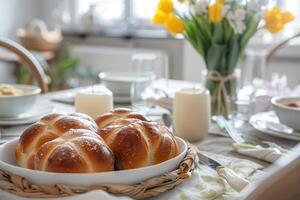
pixel 223 91
pixel 253 76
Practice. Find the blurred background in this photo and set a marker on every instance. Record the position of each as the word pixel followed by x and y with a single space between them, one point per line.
pixel 77 39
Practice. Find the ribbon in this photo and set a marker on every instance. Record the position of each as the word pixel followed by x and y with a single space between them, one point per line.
pixel 221 89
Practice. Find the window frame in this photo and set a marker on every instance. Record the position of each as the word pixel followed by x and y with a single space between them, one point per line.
pixel 129 21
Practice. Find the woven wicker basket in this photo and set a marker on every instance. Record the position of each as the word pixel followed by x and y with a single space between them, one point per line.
pixel 149 188
pixel 37 37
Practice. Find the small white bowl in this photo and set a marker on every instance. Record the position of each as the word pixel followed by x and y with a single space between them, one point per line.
pixel 120 83
pixel 132 176
pixel 287 115
pixel 11 106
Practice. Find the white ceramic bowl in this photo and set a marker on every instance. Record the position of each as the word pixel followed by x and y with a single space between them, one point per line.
pixel 120 83
pixel 287 115
pixel 11 106
pixel 8 163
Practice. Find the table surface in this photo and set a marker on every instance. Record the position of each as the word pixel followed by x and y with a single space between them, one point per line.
pixel 212 143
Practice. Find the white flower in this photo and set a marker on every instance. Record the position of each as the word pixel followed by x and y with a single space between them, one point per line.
pixel 239 27
pixel 257 6
pixel 201 7
pixel 236 20
pixel 230 16
pixel 225 9
pixel 240 14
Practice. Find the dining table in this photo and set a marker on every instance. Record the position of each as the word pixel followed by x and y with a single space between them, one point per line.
pixel 214 143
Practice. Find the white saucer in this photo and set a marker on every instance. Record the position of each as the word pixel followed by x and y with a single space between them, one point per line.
pixel 39 110
pixel 262 121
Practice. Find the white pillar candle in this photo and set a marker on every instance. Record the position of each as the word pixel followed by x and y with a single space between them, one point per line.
pixel 191 113
pixel 94 102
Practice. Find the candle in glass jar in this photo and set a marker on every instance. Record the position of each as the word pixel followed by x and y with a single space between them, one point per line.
pixel 191 112
pixel 94 102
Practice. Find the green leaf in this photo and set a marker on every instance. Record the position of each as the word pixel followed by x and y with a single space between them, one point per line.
pixel 193 35
pixel 23 75
pixel 214 56
pixel 202 36
pixel 218 33
pixel 233 54
pixel 228 31
pixel 203 25
pixel 67 64
pixel 251 30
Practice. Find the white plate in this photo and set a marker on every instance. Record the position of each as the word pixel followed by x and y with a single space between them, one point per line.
pixel 260 122
pixel 8 163
pixel 39 110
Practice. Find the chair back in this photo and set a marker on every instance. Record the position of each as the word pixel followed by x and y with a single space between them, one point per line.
pixel 29 60
pixel 273 50
pixel 281 182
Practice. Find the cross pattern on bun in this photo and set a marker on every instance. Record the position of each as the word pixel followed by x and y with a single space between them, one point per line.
pixel 120 113
pixel 76 151
pixel 48 128
pixel 136 143
pixel 120 139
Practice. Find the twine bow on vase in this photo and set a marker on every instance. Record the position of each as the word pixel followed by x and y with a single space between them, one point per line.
pixel 221 90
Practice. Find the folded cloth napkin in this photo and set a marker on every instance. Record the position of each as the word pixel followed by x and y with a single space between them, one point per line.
pixel 205 184
pixel 269 154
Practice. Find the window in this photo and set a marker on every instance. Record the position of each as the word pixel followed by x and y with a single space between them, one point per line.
pixel 143 9
pixel 293 7
pixel 109 12
pixel 105 10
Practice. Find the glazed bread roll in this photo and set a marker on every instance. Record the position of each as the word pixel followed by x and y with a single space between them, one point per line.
pixel 48 128
pixel 120 113
pixel 76 151
pixel 137 143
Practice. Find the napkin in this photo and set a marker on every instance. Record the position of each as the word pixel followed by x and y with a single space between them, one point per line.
pixel 205 184
pixel 268 154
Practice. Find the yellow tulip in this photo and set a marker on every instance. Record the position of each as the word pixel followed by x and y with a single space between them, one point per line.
pixel 276 20
pixel 215 12
pixel 174 25
pixel 275 27
pixel 288 17
pixel 159 17
pixel 166 6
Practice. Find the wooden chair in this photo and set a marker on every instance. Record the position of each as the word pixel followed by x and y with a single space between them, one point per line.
pixel 281 182
pixel 273 50
pixel 29 60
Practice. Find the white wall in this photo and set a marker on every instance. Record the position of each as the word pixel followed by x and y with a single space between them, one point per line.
pixel 15 14
pixel 193 64
pixel 285 62
pixel 172 47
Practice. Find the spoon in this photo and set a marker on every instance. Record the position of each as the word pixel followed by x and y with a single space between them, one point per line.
pixel 167 120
